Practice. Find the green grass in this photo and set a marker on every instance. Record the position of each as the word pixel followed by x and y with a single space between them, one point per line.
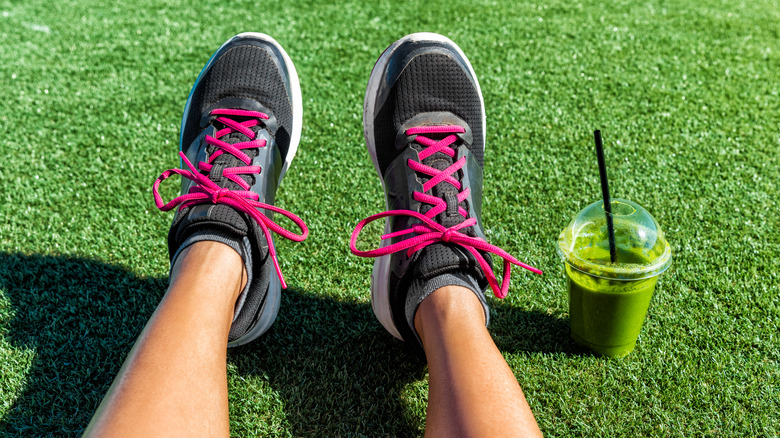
pixel 685 92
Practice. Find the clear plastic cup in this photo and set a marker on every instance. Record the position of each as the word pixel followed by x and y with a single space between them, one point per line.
pixel 608 301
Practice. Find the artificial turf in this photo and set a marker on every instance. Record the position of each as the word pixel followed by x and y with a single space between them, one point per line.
pixel 685 93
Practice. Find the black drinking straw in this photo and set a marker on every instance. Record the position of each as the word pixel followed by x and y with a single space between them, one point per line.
pixel 605 195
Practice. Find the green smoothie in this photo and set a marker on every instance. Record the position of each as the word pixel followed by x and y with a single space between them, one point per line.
pixel 606 315
pixel 608 301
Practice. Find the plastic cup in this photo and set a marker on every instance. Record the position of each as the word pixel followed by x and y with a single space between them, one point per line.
pixel 608 301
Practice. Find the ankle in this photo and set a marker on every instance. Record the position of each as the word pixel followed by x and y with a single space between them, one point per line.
pixel 449 308
pixel 204 259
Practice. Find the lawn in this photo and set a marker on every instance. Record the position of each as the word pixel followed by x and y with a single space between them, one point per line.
pixel 686 96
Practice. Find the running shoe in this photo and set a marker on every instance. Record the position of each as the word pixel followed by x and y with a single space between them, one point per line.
pixel 424 125
pixel 241 128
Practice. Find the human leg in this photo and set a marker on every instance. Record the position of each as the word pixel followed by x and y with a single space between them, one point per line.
pixel 241 126
pixel 173 381
pixel 472 390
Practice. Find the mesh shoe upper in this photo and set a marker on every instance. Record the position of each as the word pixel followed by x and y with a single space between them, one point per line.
pixel 245 69
pixel 432 81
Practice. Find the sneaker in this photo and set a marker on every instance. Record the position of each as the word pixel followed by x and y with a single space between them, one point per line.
pixel 241 126
pixel 424 124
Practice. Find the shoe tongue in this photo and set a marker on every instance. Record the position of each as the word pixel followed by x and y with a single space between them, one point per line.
pixel 444 190
pixel 211 216
pixel 440 258
pixel 227 160
pixel 235 137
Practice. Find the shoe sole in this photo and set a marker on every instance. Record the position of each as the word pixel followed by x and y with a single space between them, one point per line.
pixel 270 308
pixel 380 297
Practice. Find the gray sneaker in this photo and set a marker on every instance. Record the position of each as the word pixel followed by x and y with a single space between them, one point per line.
pixel 241 128
pixel 424 124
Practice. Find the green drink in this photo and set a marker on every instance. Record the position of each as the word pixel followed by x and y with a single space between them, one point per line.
pixel 608 301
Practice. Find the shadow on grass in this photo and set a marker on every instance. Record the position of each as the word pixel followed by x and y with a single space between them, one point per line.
pixel 337 370
pixel 79 318
pixel 517 330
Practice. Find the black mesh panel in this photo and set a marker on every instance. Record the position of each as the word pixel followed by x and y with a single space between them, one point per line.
pixel 431 82
pixel 246 71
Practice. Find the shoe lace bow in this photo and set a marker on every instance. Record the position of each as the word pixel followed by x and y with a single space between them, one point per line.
pixel 428 231
pixel 207 191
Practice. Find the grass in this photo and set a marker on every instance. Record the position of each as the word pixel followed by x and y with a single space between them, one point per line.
pixel 686 94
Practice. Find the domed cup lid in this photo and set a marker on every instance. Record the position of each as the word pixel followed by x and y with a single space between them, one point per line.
pixel 642 250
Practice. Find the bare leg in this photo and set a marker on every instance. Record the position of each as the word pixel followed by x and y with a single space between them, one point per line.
pixel 174 381
pixel 472 390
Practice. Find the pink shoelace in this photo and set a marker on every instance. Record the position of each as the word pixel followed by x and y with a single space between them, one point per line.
pixel 206 191
pixel 429 231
